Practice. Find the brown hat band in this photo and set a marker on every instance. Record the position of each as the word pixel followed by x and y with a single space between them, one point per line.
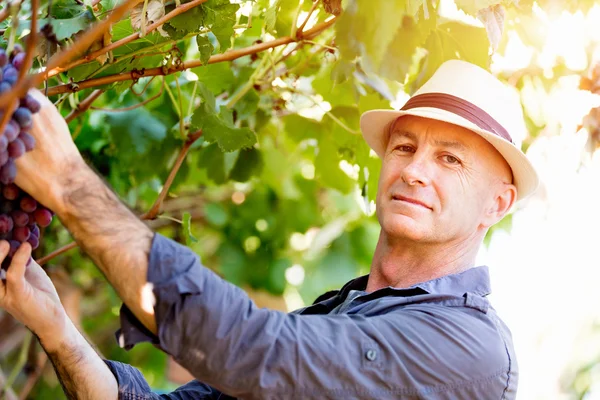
pixel 460 107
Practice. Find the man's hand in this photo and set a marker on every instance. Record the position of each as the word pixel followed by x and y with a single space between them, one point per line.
pixel 29 295
pixel 45 171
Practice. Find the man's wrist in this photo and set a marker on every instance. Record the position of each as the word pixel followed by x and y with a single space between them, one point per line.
pixel 64 335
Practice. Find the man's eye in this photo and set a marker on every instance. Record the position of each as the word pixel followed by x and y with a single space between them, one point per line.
pixel 405 148
pixel 450 159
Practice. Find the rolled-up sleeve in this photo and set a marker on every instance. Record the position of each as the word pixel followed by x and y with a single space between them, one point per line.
pixel 216 332
pixel 133 386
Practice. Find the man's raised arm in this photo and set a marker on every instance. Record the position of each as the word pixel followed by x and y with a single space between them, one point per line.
pixel 119 243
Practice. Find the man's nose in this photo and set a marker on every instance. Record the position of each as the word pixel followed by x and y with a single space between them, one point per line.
pixel 417 171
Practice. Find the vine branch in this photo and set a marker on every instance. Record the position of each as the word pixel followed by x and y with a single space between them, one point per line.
pixel 227 56
pixel 128 39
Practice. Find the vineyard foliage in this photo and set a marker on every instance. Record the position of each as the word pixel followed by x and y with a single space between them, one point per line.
pixel 280 176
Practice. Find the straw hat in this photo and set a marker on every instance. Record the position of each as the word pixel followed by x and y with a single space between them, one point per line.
pixel 466 95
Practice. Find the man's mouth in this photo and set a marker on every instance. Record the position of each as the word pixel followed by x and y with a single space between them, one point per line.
pixel 398 197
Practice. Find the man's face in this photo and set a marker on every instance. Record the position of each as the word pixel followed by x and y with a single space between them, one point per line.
pixel 439 183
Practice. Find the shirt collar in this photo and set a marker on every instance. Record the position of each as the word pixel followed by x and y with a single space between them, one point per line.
pixel 474 280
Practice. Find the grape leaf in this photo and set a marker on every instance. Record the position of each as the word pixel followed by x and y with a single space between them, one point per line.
pixel 218 128
pixel 224 21
pixel 217 77
pixel 328 170
pixel 205 48
pixel 249 163
pixel 189 21
pixel 271 16
pixel 454 40
pixel 399 54
pixel 67 27
pixel 187 229
pixel 299 128
pixel 366 28
pixel 212 159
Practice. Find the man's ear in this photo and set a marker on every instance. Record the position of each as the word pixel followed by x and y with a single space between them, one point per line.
pixel 505 198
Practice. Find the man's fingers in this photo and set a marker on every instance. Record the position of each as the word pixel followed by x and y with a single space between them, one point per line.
pixel 16 271
pixel 4 249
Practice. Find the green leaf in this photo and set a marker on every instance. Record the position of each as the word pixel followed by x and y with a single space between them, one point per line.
pixel 187 229
pixel 205 48
pixel 189 21
pixel 271 16
pixel 367 27
pixel 224 21
pixel 328 170
pixel 217 77
pixel 249 163
pixel 372 101
pixel 219 128
pixel 67 27
pixel 299 128
pixel 454 40
pixel 212 159
pixel 135 131
pixel 400 53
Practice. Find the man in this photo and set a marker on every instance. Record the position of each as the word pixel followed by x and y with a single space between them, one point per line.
pixel 418 326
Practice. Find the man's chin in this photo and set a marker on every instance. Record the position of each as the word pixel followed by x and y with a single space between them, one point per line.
pixel 403 227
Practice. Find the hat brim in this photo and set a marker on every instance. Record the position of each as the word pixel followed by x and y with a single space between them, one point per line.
pixel 375 124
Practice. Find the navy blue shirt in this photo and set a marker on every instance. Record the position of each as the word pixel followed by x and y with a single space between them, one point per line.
pixel 439 339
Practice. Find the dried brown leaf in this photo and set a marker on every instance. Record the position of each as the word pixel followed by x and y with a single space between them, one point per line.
pixel 333 6
pixel 492 18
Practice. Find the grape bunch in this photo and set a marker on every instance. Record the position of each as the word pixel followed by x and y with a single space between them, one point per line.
pixel 16 139
pixel 21 217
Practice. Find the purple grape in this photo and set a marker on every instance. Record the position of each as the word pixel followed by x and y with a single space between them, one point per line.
pixel 16 148
pixel 34 242
pixel 11 75
pixel 5 87
pixel 3 142
pixel 3 157
pixel 23 117
pixel 3 58
pixel 8 172
pixel 18 60
pixel 20 218
pixel 43 217
pixel 14 246
pixel 21 233
pixel 12 130
pixel 28 141
pixel 28 204
pixel 31 103
pixel 6 223
pixel 11 192
pixel 17 48
pixel 35 230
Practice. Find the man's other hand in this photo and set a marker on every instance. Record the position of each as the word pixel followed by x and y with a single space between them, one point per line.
pixel 29 295
pixel 45 171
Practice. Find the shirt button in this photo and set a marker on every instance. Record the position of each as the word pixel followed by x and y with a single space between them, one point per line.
pixel 371 355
